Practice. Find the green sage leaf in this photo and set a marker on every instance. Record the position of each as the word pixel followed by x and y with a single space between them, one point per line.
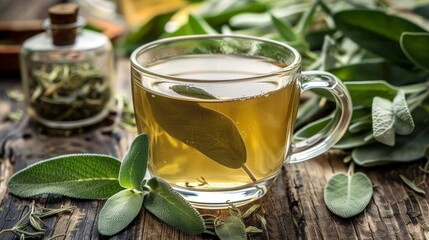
pixel 415 46
pixel 383 120
pixel 251 211
pixel 347 196
pixel 363 92
pixel 404 123
pixel 218 13
pixel 306 20
pixel 210 132
pixel 147 32
pixel 376 70
pixel 252 229
pixel 119 211
pixel 349 139
pixel 37 223
pixel 169 206
pixel 411 185
pixel 134 165
pixel 372 29
pixel 284 28
pixel 86 176
pixel 407 148
pixel 195 25
pixel 230 228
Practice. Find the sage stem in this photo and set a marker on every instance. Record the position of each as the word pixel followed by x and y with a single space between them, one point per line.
pixel 249 173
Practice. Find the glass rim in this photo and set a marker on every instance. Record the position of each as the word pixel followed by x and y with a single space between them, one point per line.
pixel 290 67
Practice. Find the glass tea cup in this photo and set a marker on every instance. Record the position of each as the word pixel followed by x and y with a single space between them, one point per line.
pixel 220 111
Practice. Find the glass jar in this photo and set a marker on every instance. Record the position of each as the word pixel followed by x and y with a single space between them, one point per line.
pixel 67 72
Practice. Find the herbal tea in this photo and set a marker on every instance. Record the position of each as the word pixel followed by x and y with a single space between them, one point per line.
pixel 223 137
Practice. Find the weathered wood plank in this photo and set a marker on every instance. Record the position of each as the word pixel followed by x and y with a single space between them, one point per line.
pixel 293 207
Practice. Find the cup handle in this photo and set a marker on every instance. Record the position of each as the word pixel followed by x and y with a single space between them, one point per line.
pixel 332 133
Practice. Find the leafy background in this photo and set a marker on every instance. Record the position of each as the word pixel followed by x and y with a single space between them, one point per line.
pixel 378 48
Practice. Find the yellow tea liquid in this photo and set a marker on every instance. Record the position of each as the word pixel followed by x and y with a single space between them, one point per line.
pixel 245 126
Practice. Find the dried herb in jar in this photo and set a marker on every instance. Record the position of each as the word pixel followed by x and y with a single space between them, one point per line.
pixel 68 91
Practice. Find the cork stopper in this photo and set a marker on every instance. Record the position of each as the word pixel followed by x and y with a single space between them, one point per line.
pixel 63 19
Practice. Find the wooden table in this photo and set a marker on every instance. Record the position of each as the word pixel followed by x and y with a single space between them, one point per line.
pixel 293 208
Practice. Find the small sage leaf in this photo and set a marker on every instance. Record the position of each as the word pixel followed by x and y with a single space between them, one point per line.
pixel 404 123
pixel 230 228
pixel 407 148
pixel 119 211
pixel 251 211
pixel 383 121
pixel 37 223
pixel 134 164
pixel 210 132
pixel 262 220
pixel 85 176
pixel 252 229
pixel 348 195
pixel 169 206
pixel 191 91
pixel 412 185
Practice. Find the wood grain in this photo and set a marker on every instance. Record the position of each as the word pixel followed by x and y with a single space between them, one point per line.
pixel 293 208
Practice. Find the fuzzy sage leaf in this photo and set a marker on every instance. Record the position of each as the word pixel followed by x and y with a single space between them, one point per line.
pixel 389 118
pixel 208 131
pixel 412 185
pixel 383 120
pixel 172 208
pixel 119 211
pixel 403 123
pixel 407 148
pixel 230 228
pixel 85 176
pixel 348 195
pixel 134 164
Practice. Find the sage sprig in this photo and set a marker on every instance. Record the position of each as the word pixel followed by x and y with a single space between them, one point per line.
pixel 94 176
pixel 233 227
pixel 31 225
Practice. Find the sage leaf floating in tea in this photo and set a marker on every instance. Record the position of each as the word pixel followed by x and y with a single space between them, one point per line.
pixel 172 208
pixel 119 211
pixel 347 195
pixel 85 176
pixel 210 132
pixel 190 91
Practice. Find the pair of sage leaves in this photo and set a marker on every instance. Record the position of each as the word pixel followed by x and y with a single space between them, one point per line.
pixel 95 176
pixel 347 195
